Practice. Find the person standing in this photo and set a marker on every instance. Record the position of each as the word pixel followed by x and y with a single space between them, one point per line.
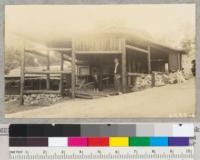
pixel 117 76
pixel 95 79
pixel 193 69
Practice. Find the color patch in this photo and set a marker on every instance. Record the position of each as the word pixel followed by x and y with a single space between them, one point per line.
pixel 126 130
pixel 90 130
pixel 98 141
pixel 178 141
pixel 108 130
pixel 159 141
pixel 17 142
pixel 183 130
pixel 37 142
pixel 118 141
pixel 144 130
pixel 58 141
pixel 139 141
pixel 163 130
pixel 77 141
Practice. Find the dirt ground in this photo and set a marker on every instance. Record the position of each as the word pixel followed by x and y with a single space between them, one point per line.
pixel 177 100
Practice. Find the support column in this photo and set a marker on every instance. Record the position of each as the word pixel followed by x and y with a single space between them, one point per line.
pixel 129 70
pixel 179 61
pixel 180 55
pixel 73 74
pixel 48 68
pixel 61 75
pixel 124 73
pixel 149 58
pixel 22 75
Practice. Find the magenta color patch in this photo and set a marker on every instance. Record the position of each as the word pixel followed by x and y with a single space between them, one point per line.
pixel 77 141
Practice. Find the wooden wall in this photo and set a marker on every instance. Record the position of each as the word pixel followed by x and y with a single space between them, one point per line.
pixel 100 45
pixel 174 61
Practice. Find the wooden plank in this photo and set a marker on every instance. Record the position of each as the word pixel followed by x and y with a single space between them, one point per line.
pixel 60 49
pixel 136 48
pixel 86 95
pixel 41 92
pixel 22 75
pixel 48 68
pixel 149 59
pixel 73 79
pixel 61 75
pixel 98 52
pixel 136 74
pixel 124 74
pixel 44 72
pixel 83 96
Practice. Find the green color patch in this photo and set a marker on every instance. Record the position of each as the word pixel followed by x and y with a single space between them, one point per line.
pixel 139 141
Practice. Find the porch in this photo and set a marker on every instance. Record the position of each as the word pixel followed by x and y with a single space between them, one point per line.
pixel 138 57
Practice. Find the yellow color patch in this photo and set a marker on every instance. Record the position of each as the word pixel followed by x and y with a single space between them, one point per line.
pixel 118 141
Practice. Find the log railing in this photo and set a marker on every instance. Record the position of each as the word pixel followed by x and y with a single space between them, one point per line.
pixel 47 72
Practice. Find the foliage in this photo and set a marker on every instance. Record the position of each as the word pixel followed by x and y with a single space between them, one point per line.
pixel 12 59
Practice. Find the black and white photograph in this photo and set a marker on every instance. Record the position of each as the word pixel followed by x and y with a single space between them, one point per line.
pixel 100 61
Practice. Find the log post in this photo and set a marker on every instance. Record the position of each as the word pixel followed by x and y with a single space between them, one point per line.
pixel 124 74
pixel 129 70
pixel 73 74
pixel 61 75
pixel 22 67
pixel 48 68
pixel 179 61
pixel 149 59
pixel 153 84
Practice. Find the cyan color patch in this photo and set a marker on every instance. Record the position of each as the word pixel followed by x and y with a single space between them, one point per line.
pixel 159 141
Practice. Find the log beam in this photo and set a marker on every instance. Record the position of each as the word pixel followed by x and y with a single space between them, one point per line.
pixel 136 48
pixel 41 92
pixel 99 52
pixel 44 72
pixel 60 49
pixel 34 52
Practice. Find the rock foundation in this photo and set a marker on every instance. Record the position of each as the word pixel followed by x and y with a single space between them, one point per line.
pixel 41 99
pixel 157 79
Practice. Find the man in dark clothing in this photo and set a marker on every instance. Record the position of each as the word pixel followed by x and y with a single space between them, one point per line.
pixel 95 79
pixel 193 69
pixel 117 75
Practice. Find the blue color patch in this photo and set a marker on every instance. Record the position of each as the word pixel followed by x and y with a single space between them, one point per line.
pixel 159 141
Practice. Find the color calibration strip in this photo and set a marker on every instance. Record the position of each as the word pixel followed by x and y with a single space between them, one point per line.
pixel 98 141
pixel 102 130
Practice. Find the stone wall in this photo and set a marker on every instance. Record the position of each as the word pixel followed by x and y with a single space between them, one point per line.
pixel 41 99
pixel 142 82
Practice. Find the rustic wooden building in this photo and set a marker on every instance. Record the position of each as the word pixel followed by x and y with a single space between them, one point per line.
pixel 137 56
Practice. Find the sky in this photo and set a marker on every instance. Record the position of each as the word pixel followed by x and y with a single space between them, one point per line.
pixel 166 23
